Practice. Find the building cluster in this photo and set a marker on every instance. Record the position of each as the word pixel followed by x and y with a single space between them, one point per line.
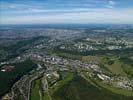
pixel 90 44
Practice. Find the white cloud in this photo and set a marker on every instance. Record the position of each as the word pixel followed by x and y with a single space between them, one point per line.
pixel 119 16
pixel 109 6
pixel 12 6
pixel 66 10
pixel 111 2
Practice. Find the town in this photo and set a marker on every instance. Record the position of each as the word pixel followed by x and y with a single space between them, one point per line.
pixel 97 59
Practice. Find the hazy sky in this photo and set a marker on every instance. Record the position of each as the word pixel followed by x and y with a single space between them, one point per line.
pixel 66 11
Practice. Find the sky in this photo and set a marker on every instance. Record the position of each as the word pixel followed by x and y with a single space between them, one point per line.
pixel 66 11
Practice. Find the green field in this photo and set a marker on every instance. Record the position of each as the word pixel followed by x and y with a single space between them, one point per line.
pixel 36 91
pixel 46 96
pixel 72 86
pixel 113 64
pixel 79 89
pixel 36 85
pixel 100 84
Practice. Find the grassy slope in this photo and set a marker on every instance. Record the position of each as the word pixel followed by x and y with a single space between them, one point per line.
pixel 79 89
pixel 101 84
pixel 46 96
pixel 35 90
pixel 91 58
pixel 116 68
pixel 127 65
pixel 66 77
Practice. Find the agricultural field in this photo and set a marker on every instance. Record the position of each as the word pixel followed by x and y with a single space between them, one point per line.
pixel 36 86
pixel 37 92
